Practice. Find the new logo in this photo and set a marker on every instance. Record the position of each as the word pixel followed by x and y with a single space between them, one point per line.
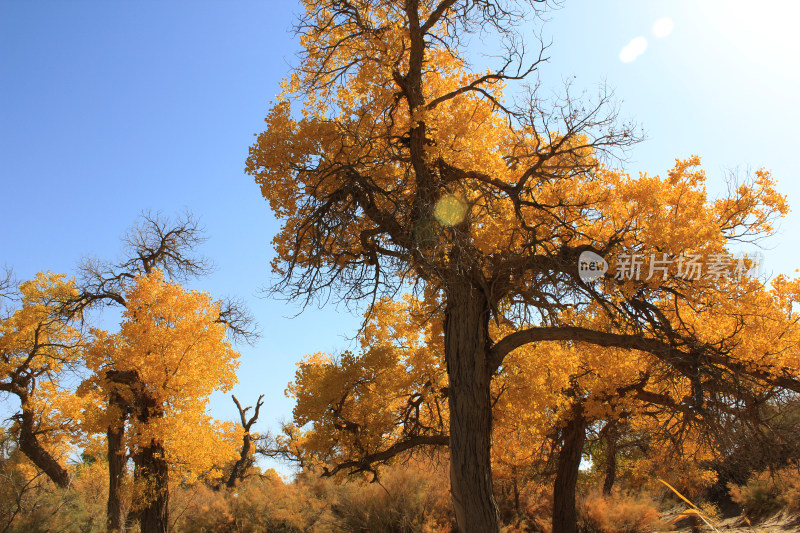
pixel 591 266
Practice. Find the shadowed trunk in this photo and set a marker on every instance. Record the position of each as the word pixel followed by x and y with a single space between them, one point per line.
pixel 466 352
pixel 115 434
pixel 611 458
pixel 116 472
pixel 117 458
pixel 153 471
pixel 245 460
pixel 239 468
pixel 565 519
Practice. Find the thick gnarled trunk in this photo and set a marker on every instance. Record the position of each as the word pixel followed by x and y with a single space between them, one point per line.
pixel 565 519
pixel 117 454
pixel 469 397
pixel 152 471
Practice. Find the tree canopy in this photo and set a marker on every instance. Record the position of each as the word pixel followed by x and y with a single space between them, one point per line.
pixel 392 164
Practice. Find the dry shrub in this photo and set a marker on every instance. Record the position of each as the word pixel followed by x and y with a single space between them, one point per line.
pixel 538 507
pixel 30 503
pixel 260 503
pixel 687 475
pixel 409 499
pixel 768 492
pixel 618 513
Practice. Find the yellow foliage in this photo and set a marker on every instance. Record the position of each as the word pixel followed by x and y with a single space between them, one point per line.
pixel 40 348
pixel 172 338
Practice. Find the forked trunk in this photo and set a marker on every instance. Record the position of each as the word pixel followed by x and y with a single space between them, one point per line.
pixel 466 353
pixel 565 519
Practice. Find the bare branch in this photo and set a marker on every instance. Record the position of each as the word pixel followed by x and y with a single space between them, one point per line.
pixel 245 456
pixel 241 324
pixel 366 463
pixel 155 241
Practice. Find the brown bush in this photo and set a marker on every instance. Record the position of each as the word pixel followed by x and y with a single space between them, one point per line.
pixel 769 491
pixel 409 499
pixel 260 503
pixel 618 513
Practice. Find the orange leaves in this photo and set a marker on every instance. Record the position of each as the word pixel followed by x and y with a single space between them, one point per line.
pixel 173 340
pixel 35 335
pixel 752 207
pixel 39 345
pixel 357 404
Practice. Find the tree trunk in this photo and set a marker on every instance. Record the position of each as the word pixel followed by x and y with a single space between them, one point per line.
pixel 565 519
pixel 153 472
pixel 151 469
pixel 517 508
pixel 466 353
pixel 29 445
pixel 611 458
pixel 240 466
pixel 116 473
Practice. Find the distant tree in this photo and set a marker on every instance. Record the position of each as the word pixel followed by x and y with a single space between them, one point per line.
pixel 247 451
pixel 156 376
pixel 155 246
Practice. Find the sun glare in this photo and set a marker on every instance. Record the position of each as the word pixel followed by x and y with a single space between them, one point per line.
pixel 663 27
pixel 633 49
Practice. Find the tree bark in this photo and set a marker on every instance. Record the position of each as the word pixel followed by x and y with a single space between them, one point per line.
pixel 240 466
pixel 245 460
pixel 466 353
pixel 115 434
pixel 29 445
pixel 116 473
pixel 611 458
pixel 153 471
pixel 565 519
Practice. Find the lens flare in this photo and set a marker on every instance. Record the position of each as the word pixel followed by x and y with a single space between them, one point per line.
pixel 450 210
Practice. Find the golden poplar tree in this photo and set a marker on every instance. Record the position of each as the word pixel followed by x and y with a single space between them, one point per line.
pixel 155 377
pixel 40 346
pixel 389 162
pixel 159 253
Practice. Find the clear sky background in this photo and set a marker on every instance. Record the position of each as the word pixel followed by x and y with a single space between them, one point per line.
pixel 110 108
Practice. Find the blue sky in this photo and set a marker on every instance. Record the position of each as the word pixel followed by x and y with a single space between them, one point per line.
pixel 109 108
